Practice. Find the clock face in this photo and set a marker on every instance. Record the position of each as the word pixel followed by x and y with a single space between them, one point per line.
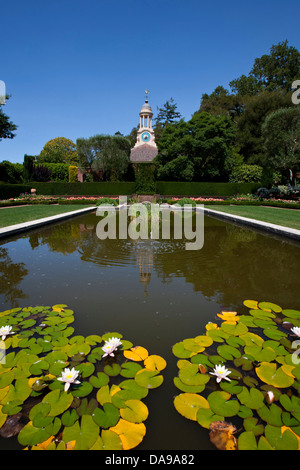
pixel 146 136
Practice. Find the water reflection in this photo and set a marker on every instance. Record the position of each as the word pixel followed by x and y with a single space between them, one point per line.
pixel 235 263
pixel 11 275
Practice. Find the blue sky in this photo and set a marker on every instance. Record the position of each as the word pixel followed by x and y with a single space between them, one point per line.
pixel 76 69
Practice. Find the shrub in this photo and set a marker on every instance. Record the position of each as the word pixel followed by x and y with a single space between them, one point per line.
pixel 185 200
pixel 246 174
pixel 11 172
pixel 106 200
pixel 59 171
pixel 41 173
pixel 73 174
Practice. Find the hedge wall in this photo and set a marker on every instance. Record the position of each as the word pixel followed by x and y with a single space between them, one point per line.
pixel 13 190
pixel 163 188
pixel 85 189
pixel 174 188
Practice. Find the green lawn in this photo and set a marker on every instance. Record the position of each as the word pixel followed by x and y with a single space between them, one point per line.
pixel 286 217
pixel 18 215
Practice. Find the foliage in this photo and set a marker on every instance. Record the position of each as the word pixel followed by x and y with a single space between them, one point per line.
pixel 104 411
pixel 41 173
pixel 174 188
pixel 91 189
pixel 59 171
pixel 178 169
pixel 73 174
pixel 11 172
pixel 144 178
pixel 278 69
pixel 28 167
pixel 261 390
pixel 249 132
pixel 221 102
pixel 58 150
pixel 274 71
pixel 280 133
pixel 167 113
pixel 107 200
pixel 246 174
pixel 109 154
pixel 13 190
pixel 205 141
pixel 7 127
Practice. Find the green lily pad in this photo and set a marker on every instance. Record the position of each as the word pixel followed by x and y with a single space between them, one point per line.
pixel 252 398
pixel 148 378
pixel 99 380
pixel 190 375
pixel 107 417
pixel 59 402
pixel 221 404
pixel 84 433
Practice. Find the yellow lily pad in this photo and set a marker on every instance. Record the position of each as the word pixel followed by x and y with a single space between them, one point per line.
pixel 138 353
pixel 154 362
pixel 131 434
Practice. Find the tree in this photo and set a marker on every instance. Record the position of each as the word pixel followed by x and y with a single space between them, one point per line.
pixel 167 114
pixel 281 137
pixel 204 144
pixel 278 69
pixel 7 127
pixel 220 102
pixel 245 86
pixel 109 154
pixel 272 72
pixel 58 150
pixel 257 108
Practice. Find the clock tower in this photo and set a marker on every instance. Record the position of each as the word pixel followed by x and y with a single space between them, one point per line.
pixel 145 148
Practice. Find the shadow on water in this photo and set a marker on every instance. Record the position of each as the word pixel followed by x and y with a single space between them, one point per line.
pixel 154 292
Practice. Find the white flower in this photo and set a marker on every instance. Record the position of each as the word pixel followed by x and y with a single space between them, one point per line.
pixel 6 330
pixel 69 376
pixel 110 346
pixel 221 373
pixel 295 330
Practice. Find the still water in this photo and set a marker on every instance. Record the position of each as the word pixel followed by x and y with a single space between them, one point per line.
pixel 154 292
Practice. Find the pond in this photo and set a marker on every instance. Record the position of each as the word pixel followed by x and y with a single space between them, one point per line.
pixel 154 292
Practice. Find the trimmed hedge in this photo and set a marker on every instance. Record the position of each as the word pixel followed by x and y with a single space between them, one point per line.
pixel 13 190
pixel 163 188
pixel 84 189
pixel 174 188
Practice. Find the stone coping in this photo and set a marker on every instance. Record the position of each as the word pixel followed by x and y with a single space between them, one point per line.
pixel 32 224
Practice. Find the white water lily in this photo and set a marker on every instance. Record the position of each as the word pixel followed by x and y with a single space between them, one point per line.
pixel 110 346
pixel 69 376
pixel 296 330
pixel 5 330
pixel 221 373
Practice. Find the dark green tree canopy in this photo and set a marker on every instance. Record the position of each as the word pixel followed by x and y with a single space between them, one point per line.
pixel 167 113
pixel 7 127
pixel 281 137
pixel 196 150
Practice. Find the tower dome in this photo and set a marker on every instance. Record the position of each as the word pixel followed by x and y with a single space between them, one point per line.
pixel 146 109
